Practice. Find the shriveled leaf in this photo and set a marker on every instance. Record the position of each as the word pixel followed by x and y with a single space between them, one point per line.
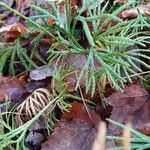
pixel 13 31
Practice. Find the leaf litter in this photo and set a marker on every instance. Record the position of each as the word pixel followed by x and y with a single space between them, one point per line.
pixel 76 129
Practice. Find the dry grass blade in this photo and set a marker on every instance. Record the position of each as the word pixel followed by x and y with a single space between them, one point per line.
pixel 99 143
pixel 126 137
pixel 33 104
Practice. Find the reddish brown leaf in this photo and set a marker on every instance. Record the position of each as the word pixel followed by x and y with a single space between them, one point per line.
pixel 78 110
pixel 130 105
pixel 14 31
pixel 10 36
pixel 75 131
pixel 18 27
pixel 71 135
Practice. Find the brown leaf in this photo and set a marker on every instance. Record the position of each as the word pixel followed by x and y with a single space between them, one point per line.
pixel 11 87
pixel 19 27
pixel 130 105
pixel 71 135
pixel 14 31
pixel 133 13
pixel 10 36
pixel 72 80
pixel 78 110
pixel 75 131
pixel 77 62
pixel 141 118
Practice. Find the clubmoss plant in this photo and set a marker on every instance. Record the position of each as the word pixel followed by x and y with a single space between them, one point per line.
pixel 109 42
pixel 108 48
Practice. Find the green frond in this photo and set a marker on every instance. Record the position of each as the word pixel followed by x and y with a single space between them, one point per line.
pixel 15 55
pixel 4 57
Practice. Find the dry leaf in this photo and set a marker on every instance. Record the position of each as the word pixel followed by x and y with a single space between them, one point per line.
pixel 14 31
pixel 13 88
pixel 133 13
pixel 41 73
pixel 132 104
pixel 75 131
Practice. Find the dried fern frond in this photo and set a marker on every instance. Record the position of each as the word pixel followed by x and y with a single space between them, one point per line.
pixel 33 104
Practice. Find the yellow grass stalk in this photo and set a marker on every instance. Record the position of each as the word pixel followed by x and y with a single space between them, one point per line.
pixel 126 137
pixel 99 143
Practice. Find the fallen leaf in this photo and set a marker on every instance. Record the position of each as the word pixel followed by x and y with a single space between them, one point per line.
pixel 6 28
pixel 134 12
pixel 72 81
pixel 33 85
pixel 77 62
pixel 34 138
pixel 10 36
pixel 131 105
pixel 75 131
pixel 78 110
pixel 71 135
pixel 14 31
pixel 19 27
pixel 141 118
pixel 13 88
pixel 41 73
pixel 44 46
